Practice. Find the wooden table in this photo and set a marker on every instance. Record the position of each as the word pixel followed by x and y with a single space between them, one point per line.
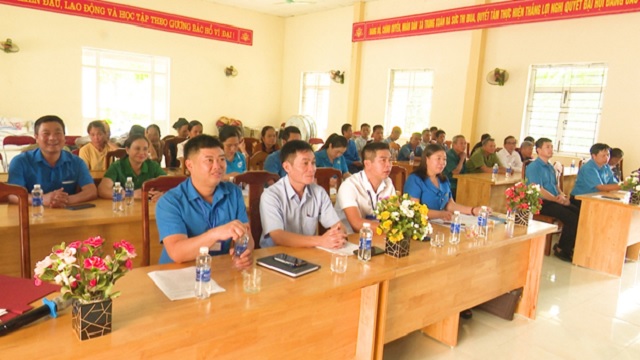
pixel 58 225
pixel 323 314
pixel 607 231
pixel 478 190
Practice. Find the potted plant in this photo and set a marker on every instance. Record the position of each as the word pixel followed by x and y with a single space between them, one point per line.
pixel 401 219
pixel 523 201
pixel 87 276
pixel 631 185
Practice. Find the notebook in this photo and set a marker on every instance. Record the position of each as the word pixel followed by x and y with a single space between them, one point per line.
pixel 270 263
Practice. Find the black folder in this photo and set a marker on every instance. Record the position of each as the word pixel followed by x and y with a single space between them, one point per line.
pixel 270 263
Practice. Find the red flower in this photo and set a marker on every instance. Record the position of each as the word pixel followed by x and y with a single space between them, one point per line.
pixel 130 249
pixel 37 281
pixel 128 264
pixel 95 262
pixel 94 241
pixel 75 244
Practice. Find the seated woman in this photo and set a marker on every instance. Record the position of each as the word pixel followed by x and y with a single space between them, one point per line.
pixel 194 129
pixel 234 151
pixel 429 186
pixel 267 141
pixel 330 155
pixel 95 152
pixel 136 165
pixel 156 145
pixel 182 129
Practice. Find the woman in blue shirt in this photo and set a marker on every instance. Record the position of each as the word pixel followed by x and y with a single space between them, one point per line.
pixel 331 155
pixel 429 186
pixel 233 146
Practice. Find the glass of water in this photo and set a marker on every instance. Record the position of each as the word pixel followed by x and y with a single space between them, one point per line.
pixel 338 263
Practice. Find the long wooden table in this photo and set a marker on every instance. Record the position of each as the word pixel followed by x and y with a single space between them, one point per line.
pixel 608 231
pixel 323 314
pixel 58 225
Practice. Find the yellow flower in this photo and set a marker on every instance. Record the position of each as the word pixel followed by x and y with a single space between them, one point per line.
pixel 387 224
pixel 379 231
pixel 385 215
pixel 424 210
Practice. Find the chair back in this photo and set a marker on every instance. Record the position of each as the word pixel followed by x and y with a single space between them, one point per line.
pixel 398 176
pixel 316 143
pixel 161 183
pixel 15 140
pixel 324 175
pixel 256 162
pixel 23 210
pixel 559 175
pixel 256 180
pixel 70 140
pixel 170 150
pixel 118 153
pixel 249 143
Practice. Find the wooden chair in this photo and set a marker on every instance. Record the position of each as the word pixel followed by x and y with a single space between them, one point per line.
pixel 119 154
pixel 256 162
pixel 70 140
pixel 256 180
pixel 15 140
pixel 162 183
pixel 249 143
pixel 398 176
pixel 23 211
pixel 324 175
pixel 170 150
pixel 546 218
pixel 316 141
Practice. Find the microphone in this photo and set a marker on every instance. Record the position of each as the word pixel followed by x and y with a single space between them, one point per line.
pixel 50 307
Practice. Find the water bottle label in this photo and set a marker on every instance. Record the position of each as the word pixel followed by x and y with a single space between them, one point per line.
pixel 129 193
pixel 117 197
pixel 240 248
pixel 367 243
pixel 36 201
pixel 203 275
pixel 455 228
pixel 482 221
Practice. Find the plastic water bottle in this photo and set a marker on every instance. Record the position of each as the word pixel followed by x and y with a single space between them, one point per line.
pixel 242 244
pixel 454 239
pixel 483 223
pixel 573 165
pixel 366 235
pixel 117 198
pixel 128 191
pixel 494 172
pixel 36 202
pixel 412 157
pixel 203 273
pixel 508 172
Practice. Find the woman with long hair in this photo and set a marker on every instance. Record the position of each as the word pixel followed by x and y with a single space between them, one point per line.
pixel 268 141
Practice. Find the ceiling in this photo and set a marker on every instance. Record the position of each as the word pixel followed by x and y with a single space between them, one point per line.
pixel 286 8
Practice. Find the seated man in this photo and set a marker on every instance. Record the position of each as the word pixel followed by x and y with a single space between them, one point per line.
pixel 508 155
pixel 272 162
pixel 351 154
pixel 526 151
pixel 203 210
pixel 554 202
pixel 595 175
pixel 63 177
pixel 483 159
pixel 441 139
pixel 456 159
pixel 358 196
pixel 478 145
pixel 396 131
pixel 412 145
pixel 426 138
pixel 378 133
pixel 363 139
pixel 614 163
pixel 291 208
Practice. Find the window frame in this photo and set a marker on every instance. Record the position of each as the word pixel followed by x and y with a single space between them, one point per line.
pixel 391 120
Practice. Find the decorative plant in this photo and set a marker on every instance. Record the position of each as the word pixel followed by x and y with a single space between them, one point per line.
pixel 630 183
pixel 400 217
pixel 230 71
pixel 500 76
pixel 82 270
pixel 337 76
pixel 524 197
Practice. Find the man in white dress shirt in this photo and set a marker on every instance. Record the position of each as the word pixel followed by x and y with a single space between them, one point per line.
pixel 508 154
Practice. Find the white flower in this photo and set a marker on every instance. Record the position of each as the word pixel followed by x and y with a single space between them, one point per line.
pixel 41 266
pixel 395 215
pixel 68 256
pixel 58 279
pixel 638 188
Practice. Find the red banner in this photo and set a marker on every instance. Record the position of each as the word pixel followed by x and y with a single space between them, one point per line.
pixel 490 15
pixel 150 19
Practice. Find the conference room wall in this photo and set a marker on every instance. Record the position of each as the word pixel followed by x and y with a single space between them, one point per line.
pixel 45 76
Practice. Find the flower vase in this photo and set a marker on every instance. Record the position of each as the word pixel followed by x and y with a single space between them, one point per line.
pixel 522 217
pixel 634 199
pixel 91 319
pixel 397 249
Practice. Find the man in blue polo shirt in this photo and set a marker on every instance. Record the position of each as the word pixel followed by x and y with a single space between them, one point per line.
pixel 63 177
pixel 595 175
pixel 203 210
pixel 554 202
pixel 272 163
pixel 351 154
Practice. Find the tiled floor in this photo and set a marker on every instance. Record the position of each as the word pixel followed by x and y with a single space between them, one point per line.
pixel 582 314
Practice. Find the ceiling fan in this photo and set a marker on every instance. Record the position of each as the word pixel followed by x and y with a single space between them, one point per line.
pixel 295 2
pixel 8 46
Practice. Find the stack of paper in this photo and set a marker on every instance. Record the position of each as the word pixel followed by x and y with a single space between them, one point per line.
pixel 180 284
pixel 347 249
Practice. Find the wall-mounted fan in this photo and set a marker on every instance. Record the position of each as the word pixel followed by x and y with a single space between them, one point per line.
pixel 8 46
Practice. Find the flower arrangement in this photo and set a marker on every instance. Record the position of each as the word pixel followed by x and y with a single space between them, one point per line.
pixel 524 197
pixel 400 217
pixel 83 272
pixel 630 183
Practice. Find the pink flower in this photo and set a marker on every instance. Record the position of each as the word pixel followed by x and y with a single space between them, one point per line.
pixel 75 244
pixel 93 283
pixel 95 262
pixel 37 281
pixel 128 248
pixel 94 241
pixel 128 264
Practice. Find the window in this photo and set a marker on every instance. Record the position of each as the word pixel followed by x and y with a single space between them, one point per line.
pixel 124 88
pixel 409 100
pixel 564 104
pixel 314 101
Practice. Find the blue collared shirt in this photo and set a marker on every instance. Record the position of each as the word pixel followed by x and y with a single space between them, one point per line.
pixel 322 160
pixel 30 168
pixel 428 194
pixel 182 210
pixel 452 162
pixel 239 163
pixel 543 174
pixel 351 154
pixel 272 164
pixel 590 176
pixel 406 150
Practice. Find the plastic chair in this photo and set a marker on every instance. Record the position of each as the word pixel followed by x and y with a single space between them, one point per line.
pixel 161 183
pixel 398 176
pixel 119 153
pixel 14 140
pixel 256 162
pixel 23 211
pixel 256 180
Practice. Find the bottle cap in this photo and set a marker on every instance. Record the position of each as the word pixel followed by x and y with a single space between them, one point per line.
pixel 456 212
pixel 484 208
pixel 204 250
pixel 129 178
pixel 116 184
pixel 366 225
pixel 36 186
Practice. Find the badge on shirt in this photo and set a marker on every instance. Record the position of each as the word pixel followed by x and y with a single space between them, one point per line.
pixel 239 164
pixel 216 247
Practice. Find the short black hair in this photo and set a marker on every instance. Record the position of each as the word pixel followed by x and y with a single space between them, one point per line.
pixel 228 131
pixel 194 123
pixel 46 119
pixel 617 153
pixel 486 140
pixel 364 125
pixel 370 149
pixel 286 132
pixel 597 147
pixel 530 139
pixel 507 139
pixel 202 141
pixel 433 128
pixel 376 127
pixel 345 128
pixel 484 136
pixel 540 142
pixel 440 132
pixel 292 147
